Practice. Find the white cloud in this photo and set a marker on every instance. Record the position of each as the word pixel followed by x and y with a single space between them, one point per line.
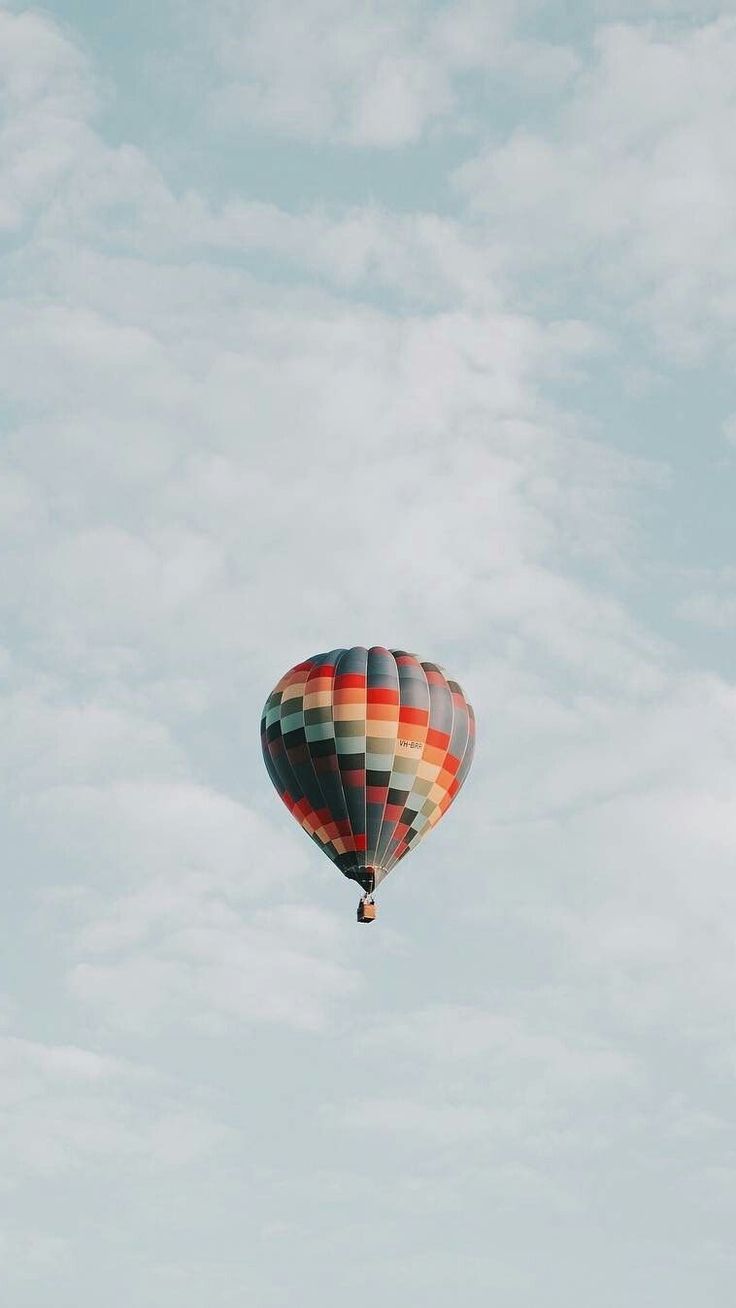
pixel 182 906
pixel 509 1092
pixel 448 1124
pixel 330 72
pixel 455 1034
pixel 712 608
pixel 239 432
pixel 47 743
pixel 628 872
pixel 510 1078
pixel 427 258
pixel 66 1109
pixel 33 1254
pixel 708 597
pixel 216 970
pixel 138 828
pixel 303 377
pixel 729 429
pixel 380 78
pixel 631 189
pixel 688 12
pixel 155 552
pixel 47 93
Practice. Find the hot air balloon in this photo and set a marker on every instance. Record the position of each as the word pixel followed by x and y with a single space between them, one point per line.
pixel 368 749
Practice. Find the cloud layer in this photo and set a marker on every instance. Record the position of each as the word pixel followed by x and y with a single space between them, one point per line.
pixel 244 420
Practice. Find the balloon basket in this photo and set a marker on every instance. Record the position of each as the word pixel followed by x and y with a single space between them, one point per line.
pixel 366 911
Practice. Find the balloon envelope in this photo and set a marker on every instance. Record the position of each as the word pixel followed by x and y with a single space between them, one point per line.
pixel 368 749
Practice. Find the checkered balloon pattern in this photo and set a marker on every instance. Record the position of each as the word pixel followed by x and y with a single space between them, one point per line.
pixel 367 748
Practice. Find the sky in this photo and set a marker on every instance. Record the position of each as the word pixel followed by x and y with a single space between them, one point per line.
pixel 323 324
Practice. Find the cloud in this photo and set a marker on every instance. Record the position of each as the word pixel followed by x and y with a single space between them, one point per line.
pixel 631 188
pixel 456 394
pixel 67 1109
pixel 173 910
pixel 687 12
pixel 454 1034
pixel 47 93
pixel 216 971
pixel 331 73
pixel 48 743
pixel 381 79
pixel 627 883
pixel 713 603
pixel 496 1078
pixel 33 1255
pixel 729 429
pixel 449 1124
pixel 152 553
pixel 239 431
